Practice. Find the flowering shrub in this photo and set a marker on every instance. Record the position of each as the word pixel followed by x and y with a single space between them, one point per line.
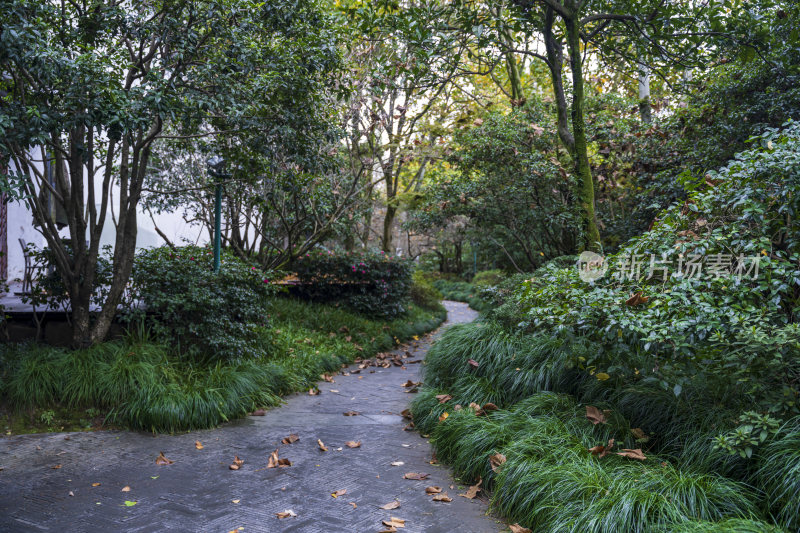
pixel 212 316
pixel 374 284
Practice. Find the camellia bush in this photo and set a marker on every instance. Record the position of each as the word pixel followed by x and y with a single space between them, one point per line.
pixel 373 284
pixel 180 297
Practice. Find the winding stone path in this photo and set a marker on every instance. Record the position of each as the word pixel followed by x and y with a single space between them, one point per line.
pixel 200 493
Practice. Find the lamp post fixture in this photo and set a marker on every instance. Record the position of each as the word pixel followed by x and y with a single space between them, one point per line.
pixel 216 169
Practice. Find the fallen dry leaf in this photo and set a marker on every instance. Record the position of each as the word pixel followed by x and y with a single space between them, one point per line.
pixel 433 490
pixel 391 505
pixel 395 522
pixel 443 416
pixel 473 490
pixel 313 392
pixel 595 415
pixel 473 363
pixel 354 505
pixel 322 445
pixel 632 454
pixel 496 460
pixel 640 434
pixel 161 460
pixel 126 489
pixel 71 493
pixel 415 476
pixel 327 378
pixel 95 484
pixel 397 463
pixel 353 444
pixel 637 299
pixel 235 501
pixel 490 407
pixel 516 528
pixel 56 467
pixel 290 439
pixel 406 413
pixel 443 398
pixel 237 463
pixel 410 383
pixel 601 451
pixel 258 412
pixel 198 445
pixel 443 497
pixel 286 514
pixel 340 492
pixel 272 462
pixel 351 413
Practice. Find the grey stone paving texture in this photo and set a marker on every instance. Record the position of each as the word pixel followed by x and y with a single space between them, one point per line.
pixel 197 492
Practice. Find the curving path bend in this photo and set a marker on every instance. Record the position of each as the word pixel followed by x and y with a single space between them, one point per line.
pixel 200 493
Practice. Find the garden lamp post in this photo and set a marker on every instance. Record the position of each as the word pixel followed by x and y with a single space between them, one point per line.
pixel 216 166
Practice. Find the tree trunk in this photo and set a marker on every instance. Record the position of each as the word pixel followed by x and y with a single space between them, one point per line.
pixel 645 109
pixel 555 59
pixel 388 225
pixel 591 236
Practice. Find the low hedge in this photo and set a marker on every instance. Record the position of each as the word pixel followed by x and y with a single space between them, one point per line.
pixel 368 283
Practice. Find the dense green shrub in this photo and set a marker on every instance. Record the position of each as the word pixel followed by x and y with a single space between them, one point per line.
pixel 423 293
pixel 180 298
pixel 488 278
pixel 373 284
pixel 728 330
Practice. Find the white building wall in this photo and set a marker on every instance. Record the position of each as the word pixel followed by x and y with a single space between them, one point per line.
pixel 20 226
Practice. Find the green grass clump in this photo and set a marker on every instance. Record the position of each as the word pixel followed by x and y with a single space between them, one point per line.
pixel 145 385
pixel 779 475
pixel 32 376
pixel 551 482
pixel 731 525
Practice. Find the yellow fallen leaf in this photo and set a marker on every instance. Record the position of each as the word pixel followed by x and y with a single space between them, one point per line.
pixel 198 445
pixel 95 484
pixel 394 522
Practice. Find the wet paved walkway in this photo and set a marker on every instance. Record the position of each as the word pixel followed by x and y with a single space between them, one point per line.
pixel 74 482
